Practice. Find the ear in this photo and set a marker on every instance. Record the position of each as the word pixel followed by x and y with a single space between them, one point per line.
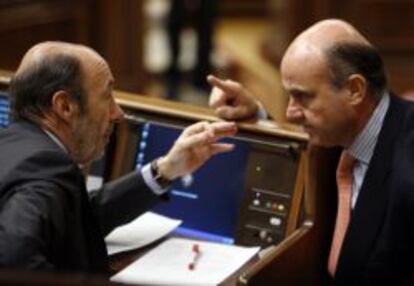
pixel 64 106
pixel 357 86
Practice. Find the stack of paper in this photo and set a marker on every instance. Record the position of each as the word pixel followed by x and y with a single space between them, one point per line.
pixel 142 231
pixel 168 264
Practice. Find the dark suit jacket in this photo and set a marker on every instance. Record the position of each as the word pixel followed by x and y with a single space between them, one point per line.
pixel 379 244
pixel 47 220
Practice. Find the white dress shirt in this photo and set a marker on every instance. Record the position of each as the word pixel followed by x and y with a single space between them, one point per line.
pixel 364 144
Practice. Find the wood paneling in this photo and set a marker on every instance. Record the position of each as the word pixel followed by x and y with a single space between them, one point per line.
pixel 242 7
pixel 113 28
pixel 118 34
pixel 25 23
pixel 388 24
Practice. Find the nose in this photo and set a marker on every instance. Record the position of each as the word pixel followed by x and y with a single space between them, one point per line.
pixel 117 114
pixel 294 112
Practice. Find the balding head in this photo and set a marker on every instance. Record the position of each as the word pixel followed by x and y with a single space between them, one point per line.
pixel 47 68
pixel 326 33
pixel 322 36
pixel 47 50
pixel 343 49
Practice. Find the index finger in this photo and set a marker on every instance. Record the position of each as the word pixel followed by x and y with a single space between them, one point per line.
pixel 197 128
pixel 227 85
pixel 223 128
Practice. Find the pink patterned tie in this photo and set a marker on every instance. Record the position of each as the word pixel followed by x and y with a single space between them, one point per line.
pixel 344 183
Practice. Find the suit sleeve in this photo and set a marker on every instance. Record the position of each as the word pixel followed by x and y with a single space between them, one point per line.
pixel 30 222
pixel 121 201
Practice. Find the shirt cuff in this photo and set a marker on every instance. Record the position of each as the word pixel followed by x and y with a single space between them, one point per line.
pixel 261 111
pixel 150 181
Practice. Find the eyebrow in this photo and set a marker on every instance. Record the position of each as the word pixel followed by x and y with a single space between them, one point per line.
pixel 298 89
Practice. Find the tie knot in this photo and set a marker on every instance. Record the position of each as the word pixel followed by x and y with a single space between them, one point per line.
pixel 346 163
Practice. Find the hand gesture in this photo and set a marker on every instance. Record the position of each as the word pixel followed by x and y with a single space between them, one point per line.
pixel 196 144
pixel 231 100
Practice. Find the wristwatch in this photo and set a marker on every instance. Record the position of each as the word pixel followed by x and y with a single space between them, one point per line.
pixel 163 182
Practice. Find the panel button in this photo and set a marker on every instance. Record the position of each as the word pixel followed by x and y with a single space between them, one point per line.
pixel 256 202
pixel 275 221
pixel 263 234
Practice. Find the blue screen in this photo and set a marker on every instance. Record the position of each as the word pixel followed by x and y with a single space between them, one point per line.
pixel 208 200
pixel 4 110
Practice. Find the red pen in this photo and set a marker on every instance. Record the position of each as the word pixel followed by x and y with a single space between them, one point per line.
pixel 197 254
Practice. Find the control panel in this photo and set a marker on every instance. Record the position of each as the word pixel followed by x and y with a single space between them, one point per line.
pixel 270 188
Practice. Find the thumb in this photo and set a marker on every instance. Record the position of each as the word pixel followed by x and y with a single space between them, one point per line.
pixel 230 112
pixel 217 98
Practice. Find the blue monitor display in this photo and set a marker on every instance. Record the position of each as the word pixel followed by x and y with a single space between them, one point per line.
pixel 208 200
pixel 4 110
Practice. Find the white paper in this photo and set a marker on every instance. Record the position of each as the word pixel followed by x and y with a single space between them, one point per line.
pixel 142 231
pixel 167 264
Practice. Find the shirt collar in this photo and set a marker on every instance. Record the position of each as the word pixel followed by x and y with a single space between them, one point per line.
pixel 55 139
pixel 60 144
pixel 363 146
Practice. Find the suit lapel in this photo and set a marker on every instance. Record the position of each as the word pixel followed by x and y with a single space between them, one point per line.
pixel 73 181
pixel 96 245
pixel 368 214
